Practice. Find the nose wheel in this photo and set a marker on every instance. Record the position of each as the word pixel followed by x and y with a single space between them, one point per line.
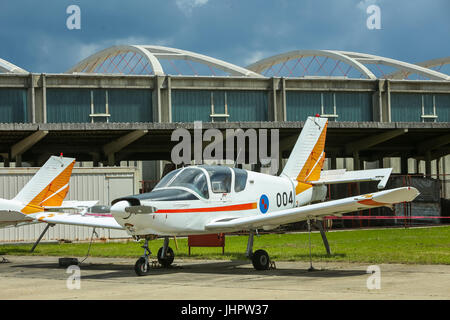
pixel 142 265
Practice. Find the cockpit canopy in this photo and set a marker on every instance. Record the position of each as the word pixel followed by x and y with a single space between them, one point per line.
pixel 200 179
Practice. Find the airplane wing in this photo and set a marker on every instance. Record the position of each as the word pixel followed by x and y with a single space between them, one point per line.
pixel 335 207
pixel 87 220
pixel 344 176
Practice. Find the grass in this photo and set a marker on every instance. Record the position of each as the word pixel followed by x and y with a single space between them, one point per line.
pixel 411 246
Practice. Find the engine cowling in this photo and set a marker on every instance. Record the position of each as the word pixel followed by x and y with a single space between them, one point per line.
pixel 118 210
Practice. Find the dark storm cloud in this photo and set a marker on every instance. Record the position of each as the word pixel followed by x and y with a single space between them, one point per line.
pixel 34 34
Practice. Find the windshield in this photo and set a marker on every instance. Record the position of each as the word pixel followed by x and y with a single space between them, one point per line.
pixel 166 179
pixel 220 178
pixel 167 195
pixel 193 179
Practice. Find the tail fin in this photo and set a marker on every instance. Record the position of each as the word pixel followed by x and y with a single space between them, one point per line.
pixel 48 187
pixel 307 157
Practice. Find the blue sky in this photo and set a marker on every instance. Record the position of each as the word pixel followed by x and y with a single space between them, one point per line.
pixel 34 35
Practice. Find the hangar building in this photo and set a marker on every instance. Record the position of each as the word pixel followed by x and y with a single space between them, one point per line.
pixel 120 106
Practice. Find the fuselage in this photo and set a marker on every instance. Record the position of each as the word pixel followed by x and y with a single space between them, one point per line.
pixel 188 199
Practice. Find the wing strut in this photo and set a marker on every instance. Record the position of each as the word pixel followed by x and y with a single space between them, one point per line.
pixel 311 268
pixel 40 237
pixel 324 236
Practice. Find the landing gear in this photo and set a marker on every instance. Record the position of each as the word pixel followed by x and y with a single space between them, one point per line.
pixel 165 258
pixel 168 259
pixel 165 254
pixel 260 258
pixel 142 265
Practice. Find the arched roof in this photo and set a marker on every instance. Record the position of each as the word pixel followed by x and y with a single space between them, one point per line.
pixel 429 64
pixel 8 67
pixel 358 61
pixel 160 60
pixel 120 59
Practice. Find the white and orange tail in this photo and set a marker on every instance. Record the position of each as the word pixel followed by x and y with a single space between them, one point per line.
pixel 307 157
pixel 48 187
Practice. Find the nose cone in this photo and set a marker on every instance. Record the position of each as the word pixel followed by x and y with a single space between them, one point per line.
pixel 118 209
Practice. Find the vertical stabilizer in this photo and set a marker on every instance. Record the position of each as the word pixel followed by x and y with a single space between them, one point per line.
pixel 307 157
pixel 48 187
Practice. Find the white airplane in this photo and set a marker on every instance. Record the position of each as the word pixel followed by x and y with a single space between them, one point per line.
pixel 205 199
pixel 45 192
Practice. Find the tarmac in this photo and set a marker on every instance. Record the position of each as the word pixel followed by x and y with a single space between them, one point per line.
pixel 36 277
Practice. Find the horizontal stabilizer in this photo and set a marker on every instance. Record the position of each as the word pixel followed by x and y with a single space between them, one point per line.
pixel 344 176
pixel 72 204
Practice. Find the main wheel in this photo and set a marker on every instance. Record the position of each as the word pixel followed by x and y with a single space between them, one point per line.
pixel 260 260
pixel 168 259
pixel 141 267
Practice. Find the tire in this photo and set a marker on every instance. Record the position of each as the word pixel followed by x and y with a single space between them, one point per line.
pixel 141 268
pixel 168 259
pixel 260 260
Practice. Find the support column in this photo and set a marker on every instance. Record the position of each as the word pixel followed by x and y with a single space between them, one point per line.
pixel 273 112
pixel 333 162
pixel 428 164
pixel 377 100
pixel 95 158
pixel 437 169
pixel 44 99
pixel 380 162
pixel 31 100
pixel 19 161
pixel 156 99
pixel 356 161
pixel 387 114
pixel 5 157
pixel 404 164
